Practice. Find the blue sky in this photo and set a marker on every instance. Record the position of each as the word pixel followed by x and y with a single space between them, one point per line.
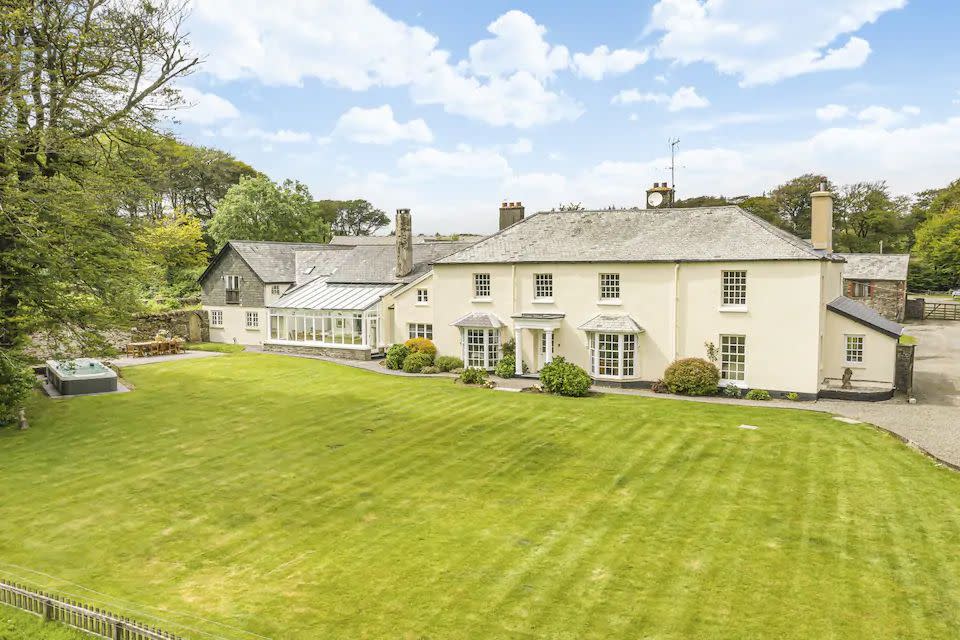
pixel 449 108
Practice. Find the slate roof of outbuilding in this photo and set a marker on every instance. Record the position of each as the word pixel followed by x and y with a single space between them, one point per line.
pixel 378 264
pixel 640 235
pixel 313 264
pixel 876 266
pixel 275 261
pixel 862 314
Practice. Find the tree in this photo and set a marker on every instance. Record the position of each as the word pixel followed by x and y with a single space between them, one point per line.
pixel 865 215
pixel 937 252
pixel 701 201
pixel 765 208
pixel 793 201
pixel 175 251
pixel 74 74
pixel 258 209
pixel 354 217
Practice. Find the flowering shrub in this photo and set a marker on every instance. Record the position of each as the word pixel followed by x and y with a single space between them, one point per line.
pixel 421 345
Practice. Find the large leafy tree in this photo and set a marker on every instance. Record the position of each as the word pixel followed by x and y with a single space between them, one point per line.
pixel 74 74
pixel 793 201
pixel 355 217
pixel 867 217
pixel 258 209
pixel 937 252
pixel 174 252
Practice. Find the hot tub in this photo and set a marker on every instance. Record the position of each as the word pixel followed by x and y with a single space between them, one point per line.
pixel 83 375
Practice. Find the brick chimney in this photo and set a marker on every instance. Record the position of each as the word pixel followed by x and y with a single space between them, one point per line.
pixel 510 213
pixel 821 219
pixel 404 231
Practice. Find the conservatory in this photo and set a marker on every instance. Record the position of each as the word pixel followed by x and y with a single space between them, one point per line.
pixel 336 316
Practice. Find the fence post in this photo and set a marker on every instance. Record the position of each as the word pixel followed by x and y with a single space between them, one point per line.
pixel 47 610
pixel 117 630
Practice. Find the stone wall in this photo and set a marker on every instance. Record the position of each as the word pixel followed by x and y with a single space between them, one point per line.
pixel 886 297
pixel 177 324
pixel 213 286
pixel 327 352
pixel 903 376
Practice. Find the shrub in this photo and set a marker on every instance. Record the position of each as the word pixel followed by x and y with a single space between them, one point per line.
pixel 448 363
pixel 472 375
pixel 421 345
pixel 757 394
pixel 509 348
pixel 431 369
pixel 506 367
pixel 457 370
pixel 793 396
pixel 731 390
pixel 692 377
pixel 659 386
pixel 414 362
pixel 565 378
pixel 396 354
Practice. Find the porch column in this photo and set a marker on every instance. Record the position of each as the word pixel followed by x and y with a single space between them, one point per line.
pixel 518 352
pixel 549 339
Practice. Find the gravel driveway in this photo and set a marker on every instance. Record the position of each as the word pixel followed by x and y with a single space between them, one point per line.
pixel 934 422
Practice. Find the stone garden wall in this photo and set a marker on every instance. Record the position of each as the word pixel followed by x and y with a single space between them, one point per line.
pixel 192 325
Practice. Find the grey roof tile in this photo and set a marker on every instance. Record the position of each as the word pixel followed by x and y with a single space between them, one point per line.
pixel 639 235
pixel 377 264
pixel 478 320
pixel 313 264
pixel 611 323
pixel 864 315
pixel 876 266
pixel 275 261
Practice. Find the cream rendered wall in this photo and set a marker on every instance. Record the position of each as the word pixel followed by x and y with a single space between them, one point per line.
pixel 782 321
pixel 234 328
pixel 406 309
pixel 879 352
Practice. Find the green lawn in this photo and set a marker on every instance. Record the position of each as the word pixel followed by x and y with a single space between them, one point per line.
pixel 221 347
pixel 17 625
pixel 294 498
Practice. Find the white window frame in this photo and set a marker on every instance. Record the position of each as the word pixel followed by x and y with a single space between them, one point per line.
pixel 543 344
pixel 420 330
pixel 733 289
pixel 543 287
pixel 253 320
pixel 608 286
pixel 485 343
pixel 621 361
pixel 857 349
pixel 482 286
pixel 227 289
pixel 216 318
pixel 860 289
pixel 275 289
pixel 423 296
pixel 732 360
pixel 349 329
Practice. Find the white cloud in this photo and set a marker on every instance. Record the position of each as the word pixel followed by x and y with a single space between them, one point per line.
pixel 521 146
pixel 378 126
pixel 682 98
pixel 204 108
pixel 281 136
pixel 355 45
pixel 736 118
pixel 764 42
pixel 518 45
pixel 603 62
pixel 832 112
pixel 662 79
pixel 884 117
pixel 465 162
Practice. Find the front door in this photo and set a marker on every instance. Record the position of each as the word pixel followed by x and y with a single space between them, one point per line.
pixel 542 347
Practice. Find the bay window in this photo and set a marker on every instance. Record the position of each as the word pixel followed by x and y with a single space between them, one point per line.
pixel 613 355
pixel 481 347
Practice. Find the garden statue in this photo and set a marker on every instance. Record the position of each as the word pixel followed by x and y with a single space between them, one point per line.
pixel 847 375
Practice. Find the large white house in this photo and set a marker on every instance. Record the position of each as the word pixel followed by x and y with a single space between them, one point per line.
pixel 622 293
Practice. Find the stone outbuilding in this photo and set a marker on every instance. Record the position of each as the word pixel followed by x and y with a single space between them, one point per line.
pixel 878 280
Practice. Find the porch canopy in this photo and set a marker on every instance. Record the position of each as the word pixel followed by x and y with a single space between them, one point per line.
pixel 606 323
pixel 546 322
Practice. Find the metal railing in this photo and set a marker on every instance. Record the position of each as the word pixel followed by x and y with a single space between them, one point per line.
pixel 92 620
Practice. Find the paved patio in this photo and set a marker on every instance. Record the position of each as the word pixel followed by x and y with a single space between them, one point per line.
pixel 186 355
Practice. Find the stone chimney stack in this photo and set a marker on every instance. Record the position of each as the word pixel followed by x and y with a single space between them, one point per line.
pixel 510 213
pixel 404 231
pixel 821 219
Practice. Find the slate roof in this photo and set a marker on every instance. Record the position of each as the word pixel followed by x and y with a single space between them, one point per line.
pixel 875 266
pixel 318 263
pixel 359 241
pixel 275 261
pixel 864 315
pixel 478 320
pixel 377 264
pixel 320 294
pixel 611 324
pixel 641 235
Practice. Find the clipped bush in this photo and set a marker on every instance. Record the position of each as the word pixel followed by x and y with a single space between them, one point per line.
pixel 414 362
pixel 421 345
pixel 792 396
pixel 731 390
pixel 472 375
pixel 506 368
pixel 448 363
pixel 431 369
pixel 692 377
pixel 757 394
pixel 396 354
pixel 565 378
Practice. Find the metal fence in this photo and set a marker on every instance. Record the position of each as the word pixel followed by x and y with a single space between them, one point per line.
pixel 77 615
